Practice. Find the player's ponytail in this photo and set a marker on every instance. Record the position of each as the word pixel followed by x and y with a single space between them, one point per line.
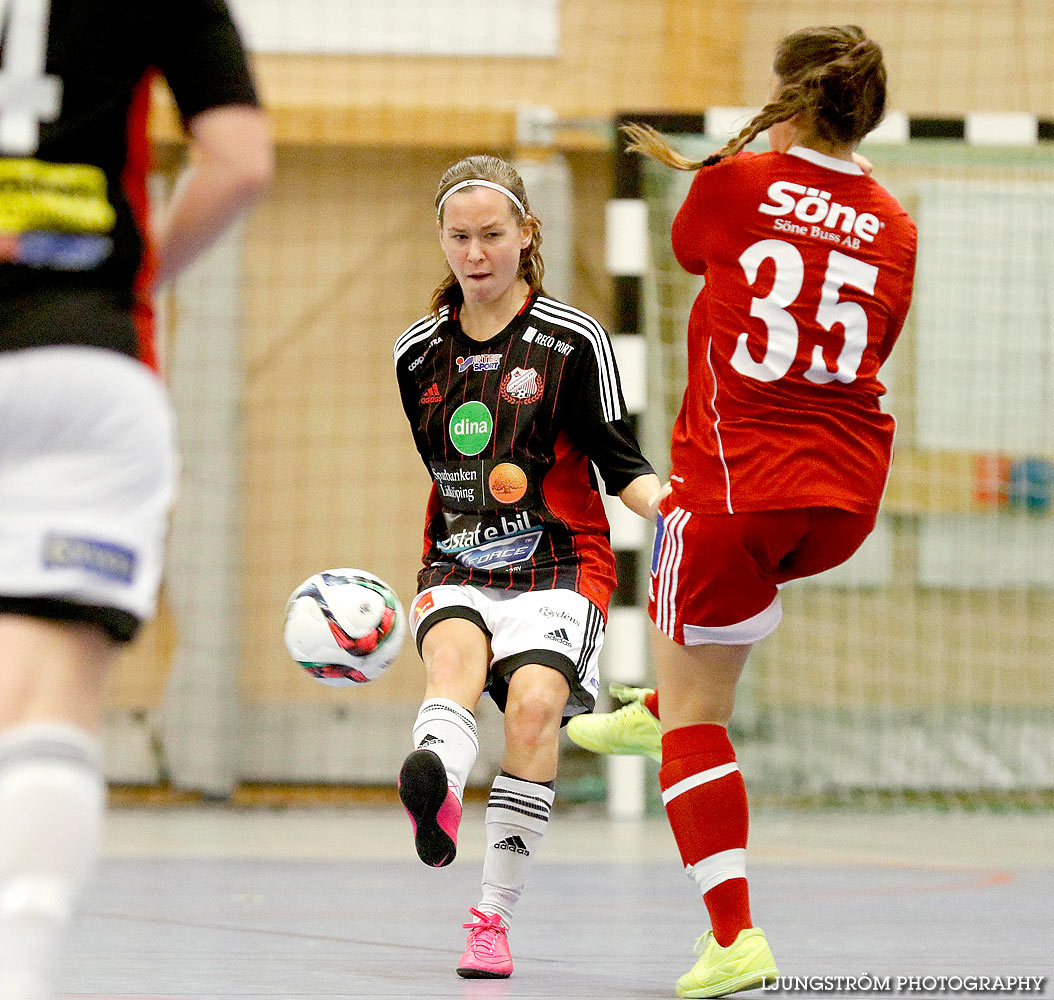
pixel 834 77
pixel 493 170
pixel 838 75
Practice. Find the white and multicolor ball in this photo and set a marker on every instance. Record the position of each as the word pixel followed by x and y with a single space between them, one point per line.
pixel 344 626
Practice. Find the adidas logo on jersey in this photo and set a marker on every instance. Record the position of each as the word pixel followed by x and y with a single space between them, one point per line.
pixel 432 395
pixel 428 741
pixel 514 844
pixel 559 635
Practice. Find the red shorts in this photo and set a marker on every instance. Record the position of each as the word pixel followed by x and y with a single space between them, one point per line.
pixel 716 577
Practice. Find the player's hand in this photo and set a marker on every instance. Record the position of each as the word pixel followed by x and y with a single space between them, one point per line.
pixel 653 504
pixel 863 163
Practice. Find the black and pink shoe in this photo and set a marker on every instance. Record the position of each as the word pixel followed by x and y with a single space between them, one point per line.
pixel 433 808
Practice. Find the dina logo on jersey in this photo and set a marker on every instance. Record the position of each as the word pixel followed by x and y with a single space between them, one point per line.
pixel 471 427
pixel 822 217
pixel 522 385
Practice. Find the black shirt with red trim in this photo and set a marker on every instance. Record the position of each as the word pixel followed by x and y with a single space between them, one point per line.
pixel 508 429
pixel 74 151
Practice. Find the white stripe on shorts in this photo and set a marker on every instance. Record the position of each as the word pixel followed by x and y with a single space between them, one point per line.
pixel 670 555
pixel 593 628
pixel 718 868
pixel 695 780
pixel 746 632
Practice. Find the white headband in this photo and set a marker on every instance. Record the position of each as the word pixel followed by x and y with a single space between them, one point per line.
pixel 473 182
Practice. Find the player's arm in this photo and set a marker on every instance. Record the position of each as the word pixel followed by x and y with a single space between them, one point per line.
pixel 231 164
pixel 710 195
pixel 596 422
pixel 907 240
pixel 409 396
pixel 643 495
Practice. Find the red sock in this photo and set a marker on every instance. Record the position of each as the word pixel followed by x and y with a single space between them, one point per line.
pixel 706 803
pixel 651 703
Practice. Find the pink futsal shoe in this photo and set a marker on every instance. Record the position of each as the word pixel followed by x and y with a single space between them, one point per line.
pixel 487 953
pixel 432 807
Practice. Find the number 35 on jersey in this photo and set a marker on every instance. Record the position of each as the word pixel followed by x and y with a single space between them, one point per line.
pixel 781 345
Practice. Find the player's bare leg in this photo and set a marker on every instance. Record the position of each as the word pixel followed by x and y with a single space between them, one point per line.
pixel 52 791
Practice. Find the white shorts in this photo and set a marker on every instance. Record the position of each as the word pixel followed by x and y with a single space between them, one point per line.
pixel 556 628
pixel 87 471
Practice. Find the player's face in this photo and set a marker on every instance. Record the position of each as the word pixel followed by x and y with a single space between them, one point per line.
pixel 482 240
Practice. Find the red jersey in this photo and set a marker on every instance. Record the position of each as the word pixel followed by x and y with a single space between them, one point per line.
pixel 809 269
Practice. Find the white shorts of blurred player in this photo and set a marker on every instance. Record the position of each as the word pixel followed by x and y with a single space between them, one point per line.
pixel 87 472
pixel 556 628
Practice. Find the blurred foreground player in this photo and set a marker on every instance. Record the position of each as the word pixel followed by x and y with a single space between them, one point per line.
pixel 86 456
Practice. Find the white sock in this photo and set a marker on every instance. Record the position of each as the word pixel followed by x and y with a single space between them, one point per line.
pixel 51 804
pixel 517 818
pixel 449 731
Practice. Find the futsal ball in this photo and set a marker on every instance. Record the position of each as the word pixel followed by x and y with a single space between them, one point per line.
pixel 344 626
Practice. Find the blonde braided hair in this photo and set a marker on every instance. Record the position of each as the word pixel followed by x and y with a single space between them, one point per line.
pixel 834 77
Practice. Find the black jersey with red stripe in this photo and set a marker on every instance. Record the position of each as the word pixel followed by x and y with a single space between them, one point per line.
pixel 508 429
pixel 74 153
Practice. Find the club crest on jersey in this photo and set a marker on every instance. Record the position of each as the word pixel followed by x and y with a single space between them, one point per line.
pixel 522 385
pixel 479 363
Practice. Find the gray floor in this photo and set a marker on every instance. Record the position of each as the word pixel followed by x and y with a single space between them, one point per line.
pixel 216 903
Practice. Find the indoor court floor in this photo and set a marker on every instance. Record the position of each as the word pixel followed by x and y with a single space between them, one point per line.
pixel 210 903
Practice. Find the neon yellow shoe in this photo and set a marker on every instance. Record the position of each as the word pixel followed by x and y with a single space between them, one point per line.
pixel 631 729
pixel 746 964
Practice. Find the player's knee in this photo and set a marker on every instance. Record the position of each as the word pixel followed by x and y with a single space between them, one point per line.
pixel 533 715
pixel 446 664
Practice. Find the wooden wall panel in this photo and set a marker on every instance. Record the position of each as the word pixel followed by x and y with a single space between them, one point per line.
pixel 614 55
pixel 945 57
